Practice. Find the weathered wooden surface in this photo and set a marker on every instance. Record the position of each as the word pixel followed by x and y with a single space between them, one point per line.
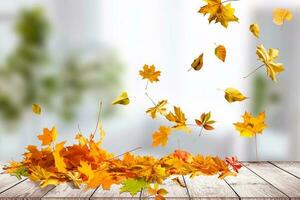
pixel 256 180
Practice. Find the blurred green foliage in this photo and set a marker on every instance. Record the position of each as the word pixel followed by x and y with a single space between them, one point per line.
pixel 29 75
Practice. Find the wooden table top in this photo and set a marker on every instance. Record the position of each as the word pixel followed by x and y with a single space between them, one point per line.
pixel 255 180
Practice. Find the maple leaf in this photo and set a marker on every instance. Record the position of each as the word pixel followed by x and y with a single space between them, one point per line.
pixel 86 169
pixel 36 109
pixel 178 182
pixel 220 52
pixel 179 119
pixel 198 63
pixel 268 59
pixel 39 174
pixel 233 162
pixel 160 137
pixel 233 95
pixel 133 186
pixel 219 12
pixel 48 136
pixel 16 169
pixel 122 99
pixel 104 179
pixel 159 193
pixel 182 155
pixel 160 107
pixel 254 28
pixel 59 160
pixel 205 122
pixel 75 178
pixel 280 15
pixel 149 73
pixel 251 125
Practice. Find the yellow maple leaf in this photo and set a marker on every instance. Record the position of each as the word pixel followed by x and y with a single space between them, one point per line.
pixel 160 107
pixel 149 73
pixel 280 15
pixel 268 59
pixel 48 136
pixel 122 99
pixel 160 137
pixel 86 169
pixel 36 109
pixel 39 174
pixel 220 52
pixel 75 178
pixel 254 28
pixel 58 159
pixel 251 125
pixel 198 63
pixel 179 119
pixel 232 95
pixel 219 12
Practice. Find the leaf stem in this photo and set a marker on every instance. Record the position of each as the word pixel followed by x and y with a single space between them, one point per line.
pixel 98 119
pixel 137 148
pixel 146 93
pixel 228 1
pixel 201 130
pixel 254 71
pixel 256 152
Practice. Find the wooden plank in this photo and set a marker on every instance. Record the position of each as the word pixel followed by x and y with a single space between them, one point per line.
pixel 26 189
pixel 112 194
pixel 7 181
pixel 174 190
pixel 66 191
pixel 209 186
pixel 248 185
pixel 285 182
pixel 290 167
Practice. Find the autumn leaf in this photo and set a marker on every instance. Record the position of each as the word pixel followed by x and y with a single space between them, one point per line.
pixel 48 136
pixel 58 159
pixel 251 125
pixel 178 182
pixel 233 162
pixel 198 63
pixel 133 186
pixel 268 59
pixel 86 169
pixel 36 109
pixel 205 122
pixel 122 99
pixel 149 73
pixel 254 28
pixel 157 192
pixel 160 107
pixel 75 178
pixel 280 15
pixel 219 12
pixel 44 177
pixel 178 117
pixel 160 137
pixel 220 52
pixel 233 95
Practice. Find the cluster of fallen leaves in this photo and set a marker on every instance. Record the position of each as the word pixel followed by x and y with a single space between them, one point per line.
pixel 87 164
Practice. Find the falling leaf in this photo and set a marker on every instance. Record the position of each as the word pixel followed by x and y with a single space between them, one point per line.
pixel 205 121
pixel 233 95
pixel 179 182
pixel 219 12
pixel 122 99
pixel 179 119
pixel 251 125
pixel 233 162
pixel 160 107
pixel 160 137
pixel 58 159
pixel 268 59
pixel 280 15
pixel 149 73
pixel 133 186
pixel 198 63
pixel 254 28
pixel 48 136
pixel 220 52
pixel 36 109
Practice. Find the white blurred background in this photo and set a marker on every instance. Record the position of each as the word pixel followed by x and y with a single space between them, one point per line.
pixel 168 34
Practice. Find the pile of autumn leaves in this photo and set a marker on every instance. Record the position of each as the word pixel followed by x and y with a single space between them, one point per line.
pixel 86 163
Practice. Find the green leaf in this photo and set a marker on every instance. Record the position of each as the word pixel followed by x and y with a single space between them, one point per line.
pixel 22 171
pixel 133 186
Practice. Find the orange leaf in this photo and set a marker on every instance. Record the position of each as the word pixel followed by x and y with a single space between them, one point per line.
pixel 48 136
pixel 220 52
pixel 160 137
